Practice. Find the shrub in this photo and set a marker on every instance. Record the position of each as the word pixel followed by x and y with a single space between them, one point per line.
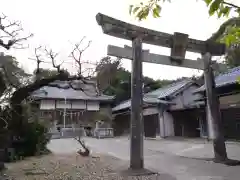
pixel 23 137
pixel 32 140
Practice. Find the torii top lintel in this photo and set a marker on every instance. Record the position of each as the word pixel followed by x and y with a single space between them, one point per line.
pixel 120 29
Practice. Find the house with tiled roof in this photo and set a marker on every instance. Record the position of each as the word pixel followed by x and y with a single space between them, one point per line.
pixel 167 111
pixel 228 90
pixel 69 103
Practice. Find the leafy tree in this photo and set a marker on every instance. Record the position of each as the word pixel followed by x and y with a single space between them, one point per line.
pixel 11 76
pixel 114 80
pixel 105 71
pixel 228 32
pixel 120 86
pixel 233 56
pixel 151 84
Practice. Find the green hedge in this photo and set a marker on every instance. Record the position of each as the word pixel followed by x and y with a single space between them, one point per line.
pixel 31 140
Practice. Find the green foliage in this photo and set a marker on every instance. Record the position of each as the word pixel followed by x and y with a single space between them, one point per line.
pixel 115 81
pixel 232 58
pixel 238 79
pixel 120 86
pixel 32 140
pixel 142 11
pixel 213 6
pixel 10 73
pixel 106 70
pixel 220 8
pixel 231 36
pixel 27 139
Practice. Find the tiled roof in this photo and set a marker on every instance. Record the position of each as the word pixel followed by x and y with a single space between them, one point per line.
pixel 122 105
pixel 89 92
pixel 169 89
pixel 230 77
pixel 155 97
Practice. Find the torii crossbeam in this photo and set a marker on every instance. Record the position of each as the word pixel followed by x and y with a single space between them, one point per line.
pixel 148 57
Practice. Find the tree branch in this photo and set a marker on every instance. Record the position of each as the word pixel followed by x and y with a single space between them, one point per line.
pixel 77 52
pixel 231 22
pixel 50 54
pixel 22 93
pixel 38 59
pixel 11 30
pixel 231 4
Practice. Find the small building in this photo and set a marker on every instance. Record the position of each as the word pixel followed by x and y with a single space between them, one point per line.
pixel 228 90
pixel 168 111
pixel 72 103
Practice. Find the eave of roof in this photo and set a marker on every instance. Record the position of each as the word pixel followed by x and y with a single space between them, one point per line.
pixel 154 97
pixel 225 79
pixel 49 92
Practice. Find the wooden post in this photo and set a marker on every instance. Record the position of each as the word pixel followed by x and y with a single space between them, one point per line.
pixel 136 142
pixel 215 126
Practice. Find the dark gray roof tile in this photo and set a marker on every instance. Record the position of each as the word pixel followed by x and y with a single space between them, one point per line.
pixel 155 97
pixel 224 79
pixel 88 93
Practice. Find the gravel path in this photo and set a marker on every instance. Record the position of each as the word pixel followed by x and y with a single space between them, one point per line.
pixel 70 167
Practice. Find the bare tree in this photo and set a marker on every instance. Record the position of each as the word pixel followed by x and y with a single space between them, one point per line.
pixel 38 59
pixel 50 56
pixel 10 34
pixel 77 53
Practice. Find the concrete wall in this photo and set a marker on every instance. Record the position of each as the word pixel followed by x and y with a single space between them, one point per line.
pixel 168 124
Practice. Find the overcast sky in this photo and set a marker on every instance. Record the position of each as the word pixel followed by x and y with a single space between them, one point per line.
pixel 58 23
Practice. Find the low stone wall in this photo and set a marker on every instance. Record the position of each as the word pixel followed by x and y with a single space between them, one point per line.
pixel 103 133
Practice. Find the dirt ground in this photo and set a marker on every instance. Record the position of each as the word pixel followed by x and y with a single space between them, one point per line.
pixel 69 167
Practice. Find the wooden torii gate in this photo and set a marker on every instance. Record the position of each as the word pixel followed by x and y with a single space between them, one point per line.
pixel 179 44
